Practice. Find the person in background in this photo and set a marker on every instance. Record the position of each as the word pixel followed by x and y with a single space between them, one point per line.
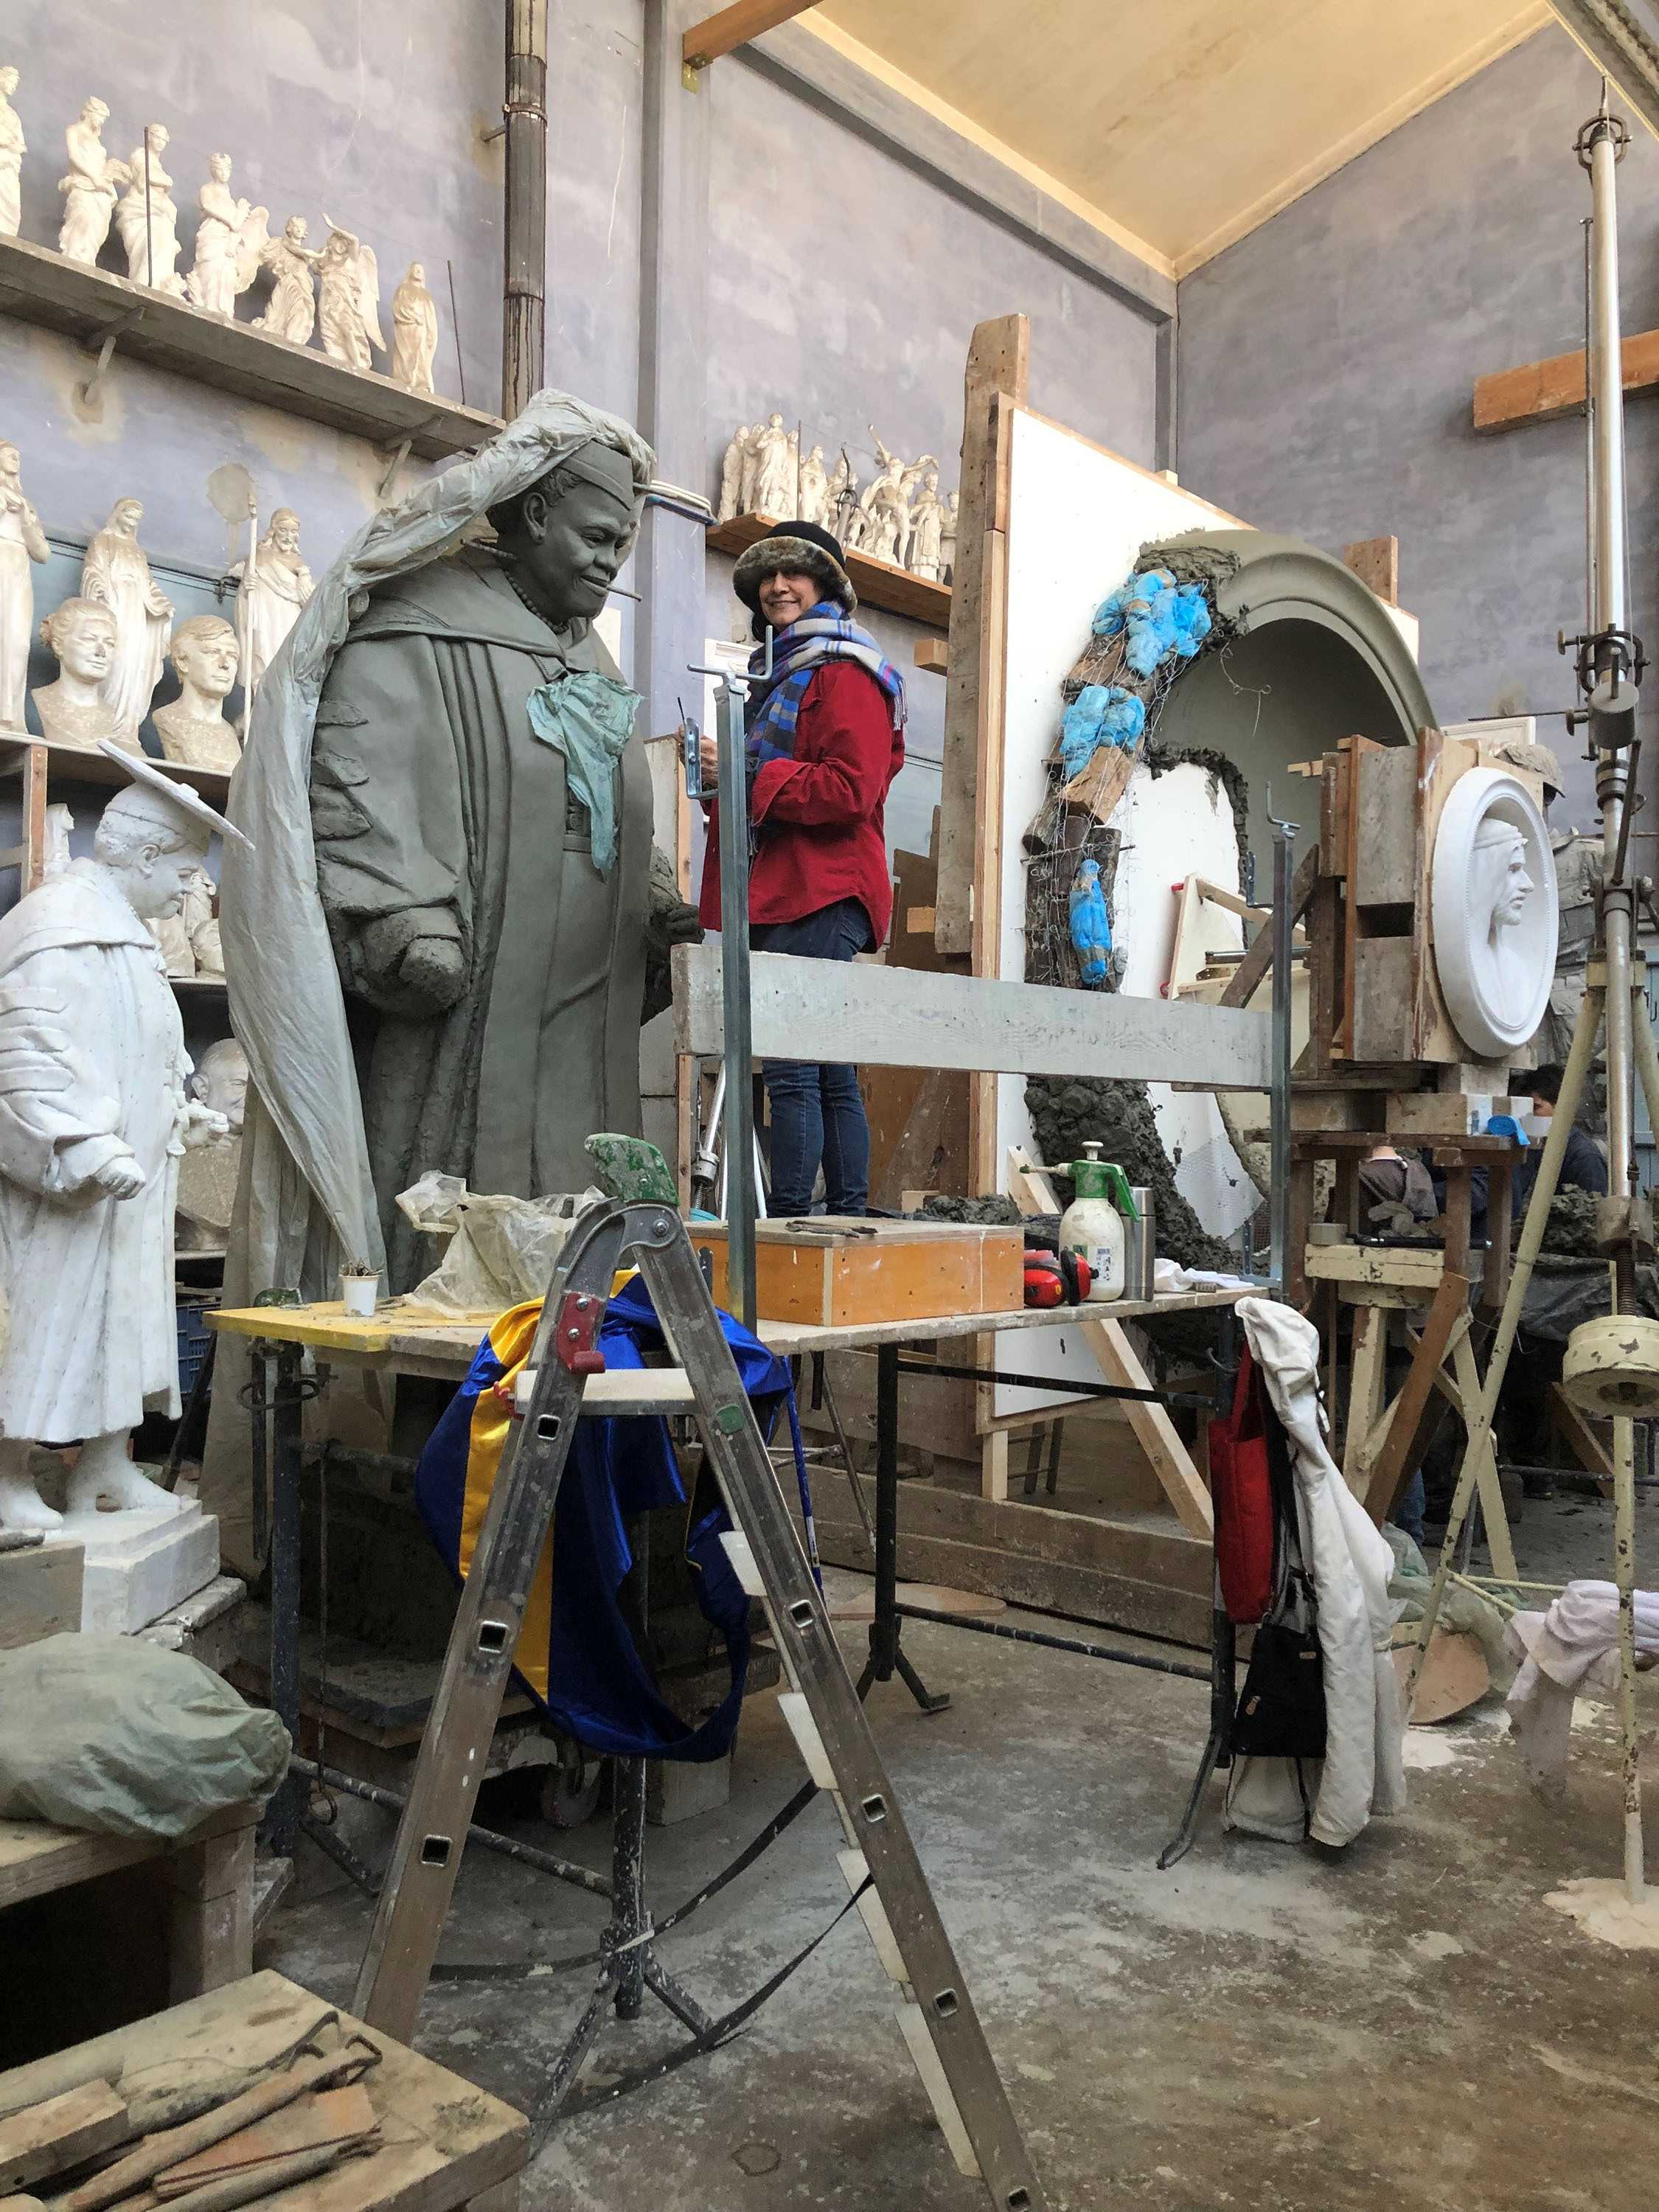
pixel 1583 1167
pixel 825 731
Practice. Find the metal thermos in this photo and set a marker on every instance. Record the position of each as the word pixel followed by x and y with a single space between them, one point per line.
pixel 1140 1244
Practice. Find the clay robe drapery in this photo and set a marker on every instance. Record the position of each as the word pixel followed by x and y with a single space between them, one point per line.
pixel 92 1068
pixel 431 796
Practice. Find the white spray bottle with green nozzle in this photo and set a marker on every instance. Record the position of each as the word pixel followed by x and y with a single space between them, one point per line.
pixel 1092 1224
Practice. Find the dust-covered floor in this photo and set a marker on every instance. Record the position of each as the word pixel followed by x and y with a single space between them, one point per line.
pixel 1407 2024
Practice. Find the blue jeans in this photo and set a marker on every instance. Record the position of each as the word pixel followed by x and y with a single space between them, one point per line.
pixel 816 1107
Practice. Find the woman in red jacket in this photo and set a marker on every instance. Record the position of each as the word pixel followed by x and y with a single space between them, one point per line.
pixel 825 739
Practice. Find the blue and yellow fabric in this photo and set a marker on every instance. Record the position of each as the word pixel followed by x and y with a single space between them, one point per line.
pixel 576 1653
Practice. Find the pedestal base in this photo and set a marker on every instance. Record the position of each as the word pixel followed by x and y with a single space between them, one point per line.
pixel 140 1564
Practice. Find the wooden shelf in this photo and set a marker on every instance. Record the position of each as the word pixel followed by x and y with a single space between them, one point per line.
pixel 207 990
pixel 76 764
pixel 878 582
pixel 91 305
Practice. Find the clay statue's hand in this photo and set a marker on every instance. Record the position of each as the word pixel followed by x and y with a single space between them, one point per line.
pixel 432 969
pixel 410 963
pixel 119 1178
pixel 202 1124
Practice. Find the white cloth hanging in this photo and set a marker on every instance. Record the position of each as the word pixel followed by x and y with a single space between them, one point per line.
pixel 1349 1563
pixel 1564 1653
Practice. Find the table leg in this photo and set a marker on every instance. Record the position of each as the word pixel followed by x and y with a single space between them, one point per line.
pixel 886 1659
pixel 627 1882
pixel 282 1815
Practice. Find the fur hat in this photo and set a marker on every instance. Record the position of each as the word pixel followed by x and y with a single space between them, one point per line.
pixel 798 547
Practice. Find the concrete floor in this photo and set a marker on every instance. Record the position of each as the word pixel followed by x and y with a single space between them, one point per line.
pixel 1407 2024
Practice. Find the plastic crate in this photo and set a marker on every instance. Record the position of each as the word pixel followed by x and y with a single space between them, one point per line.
pixel 194 1337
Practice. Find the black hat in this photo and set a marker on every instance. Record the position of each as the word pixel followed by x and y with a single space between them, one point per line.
pixel 803 548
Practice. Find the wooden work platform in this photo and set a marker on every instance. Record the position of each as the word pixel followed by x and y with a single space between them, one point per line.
pixel 196 1890
pixel 400 1338
pixel 442 2143
pixel 92 306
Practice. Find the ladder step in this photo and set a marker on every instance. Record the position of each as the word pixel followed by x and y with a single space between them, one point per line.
pixel 855 1868
pixel 810 1744
pixel 912 2024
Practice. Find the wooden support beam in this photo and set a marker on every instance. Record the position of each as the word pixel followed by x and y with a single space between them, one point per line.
pixel 1411 1425
pixel 734 26
pixel 1240 984
pixel 1543 390
pixel 1367 1375
pixel 1376 562
pixel 932 654
pixel 1154 1431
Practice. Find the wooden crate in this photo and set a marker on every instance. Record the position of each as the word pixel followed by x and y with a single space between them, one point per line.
pixel 834 1272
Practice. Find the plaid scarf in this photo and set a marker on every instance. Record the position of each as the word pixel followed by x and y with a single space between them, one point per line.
pixel 798 654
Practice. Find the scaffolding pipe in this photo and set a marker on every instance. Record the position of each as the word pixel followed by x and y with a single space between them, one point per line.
pixel 524 297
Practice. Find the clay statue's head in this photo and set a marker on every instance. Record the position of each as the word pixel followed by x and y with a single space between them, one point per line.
pixel 82 633
pixel 220 1081
pixel 124 518
pixel 775 421
pixel 9 81
pixel 96 113
pixel 219 168
pixel 955 502
pixel 205 654
pixel 1499 882
pixel 285 533
pixel 339 246
pixel 567 536
pixel 152 847
pixel 817 453
pixel 930 482
pixel 157 138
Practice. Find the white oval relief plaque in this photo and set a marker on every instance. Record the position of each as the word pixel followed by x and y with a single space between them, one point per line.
pixel 1492 888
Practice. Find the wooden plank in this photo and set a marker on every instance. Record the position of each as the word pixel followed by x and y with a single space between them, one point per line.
pixel 878 583
pixel 933 654
pixel 1580 1438
pixel 1366 1375
pixel 999 361
pixel 1103 780
pixel 1242 985
pixel 734 26
pixel 40 1593
pixel 1543 391
pixel 1381 1001
pixel 984 938
pixel 47 2139
pixel 1376 562
pixel 1414 1412
pixel 1393 1266
pixel 1154 1431
pixel 32 757
pixel 899 1017
pixel 1499 1542
pixel 38 1858
pixel 39 286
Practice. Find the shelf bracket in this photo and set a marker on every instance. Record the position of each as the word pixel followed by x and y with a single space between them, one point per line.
pixel 399 453
pixel 87 393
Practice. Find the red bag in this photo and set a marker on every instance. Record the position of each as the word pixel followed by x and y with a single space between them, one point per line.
pixel 1240 1490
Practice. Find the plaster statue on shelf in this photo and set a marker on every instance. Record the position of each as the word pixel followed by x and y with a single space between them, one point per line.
pixel 271 591
pixel 776 456
pixel 13 147
pixel 201 920
pixel 291 311
pixel 414 331
pixel 349 280
pixel 812 502
pixel 193 730
pixel 22 547
pixel 76 709
pixel 843 500
pixel 230 238
pixel 55 855
pixel 924 555
pixel 89 188
pixel 884 510
pixel 947 540
pixel 172 942
pixel 147 217
pixel 94 1119
pixel 731 474
pixel 208 1173
pixel 115 574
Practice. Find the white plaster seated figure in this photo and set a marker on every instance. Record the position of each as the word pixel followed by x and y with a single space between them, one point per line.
pixel 229 239
pixel 94 1119
pixel 13 147
pixel 193 730
pixel 76 709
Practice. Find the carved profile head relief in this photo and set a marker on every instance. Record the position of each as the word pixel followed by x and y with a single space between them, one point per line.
pixel 1492 888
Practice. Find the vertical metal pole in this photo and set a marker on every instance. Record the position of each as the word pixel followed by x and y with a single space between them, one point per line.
pixel 739 1108
pixel 282 1818
pixel 1279 1199
pixel 524 301
pixel 1589 422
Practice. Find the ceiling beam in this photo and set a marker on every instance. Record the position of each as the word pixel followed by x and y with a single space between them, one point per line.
pixel 735 27
pixel 1621 37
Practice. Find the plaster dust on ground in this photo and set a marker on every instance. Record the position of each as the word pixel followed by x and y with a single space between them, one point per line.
pixel 1407 2024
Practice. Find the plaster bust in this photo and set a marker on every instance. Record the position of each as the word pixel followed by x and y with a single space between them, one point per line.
pixel 204 652
pixel 1493 900
pixel 75 709
pixel 219 1082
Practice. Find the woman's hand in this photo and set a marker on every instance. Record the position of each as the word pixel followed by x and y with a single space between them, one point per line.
pixel 708 756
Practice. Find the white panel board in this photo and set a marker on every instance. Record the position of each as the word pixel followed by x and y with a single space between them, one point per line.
pixel 1078 516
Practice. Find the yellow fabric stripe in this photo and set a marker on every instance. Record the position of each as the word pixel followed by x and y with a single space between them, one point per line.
pixel 510 1339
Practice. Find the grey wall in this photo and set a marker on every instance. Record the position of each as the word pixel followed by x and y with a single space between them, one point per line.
pixel 1326 363
pixel 844 288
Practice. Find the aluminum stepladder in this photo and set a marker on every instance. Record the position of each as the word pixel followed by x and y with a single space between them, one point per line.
pixel 936 2013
